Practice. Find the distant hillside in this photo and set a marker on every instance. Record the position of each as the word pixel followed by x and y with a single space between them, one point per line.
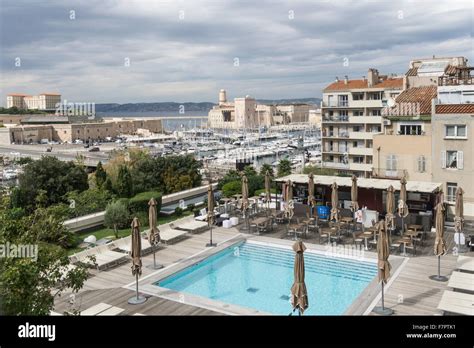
pixel 175 107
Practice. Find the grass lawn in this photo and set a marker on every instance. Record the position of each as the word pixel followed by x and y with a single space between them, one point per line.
pixel 109 232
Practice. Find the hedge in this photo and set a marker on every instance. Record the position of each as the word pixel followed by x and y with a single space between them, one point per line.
pixel 139 203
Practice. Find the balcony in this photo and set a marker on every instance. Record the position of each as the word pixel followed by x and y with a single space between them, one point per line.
pixel 365 119
pixel 335 118
pixel 384 173
pixel 336 165
pixel 365 167
pixel 367 103
pixel 361 151
pixel 335 135
pixel 455 81
pixel 336 104
pixel 362 135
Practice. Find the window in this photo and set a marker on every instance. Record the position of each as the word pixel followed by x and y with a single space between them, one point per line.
pixel 406 129
pixel 354 144
pixel 376 113
pixel 452 159
pixel 357 96
pixel 451 188
pixel 422 164
pixel 343 113
pixel 391 162
pixel 456 131
pixel 358 113
pixel 356 128
pixel 358 159
pixel 342 100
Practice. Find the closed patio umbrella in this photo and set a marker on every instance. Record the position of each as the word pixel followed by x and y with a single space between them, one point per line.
pixel 210 213
pixel 289 207
pixel 390 217
pixel 354 192
pixel 402 203
pixel 384 267
pixel 459 211
pixel 153 233
pixel 440 244
pixel 334 203
pixel 459 218
pixel 245 198
pixel 135 254
pixel 299 294
pixel 311 199
pixel 268 194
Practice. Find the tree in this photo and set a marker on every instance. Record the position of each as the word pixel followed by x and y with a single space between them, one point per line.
pixel 28 285
pixel 284 168
pixel 124 185
pixel 108 186
pixel 117 216
pixel 231 175
pixel 250 171
pixel 89 201
pixel 266 167
pixel 50 178
pixel 100 175
pixel 232 188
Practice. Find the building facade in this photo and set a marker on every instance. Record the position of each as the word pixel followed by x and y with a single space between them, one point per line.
pixel 404 147
pixel 43 101
pixel 351 116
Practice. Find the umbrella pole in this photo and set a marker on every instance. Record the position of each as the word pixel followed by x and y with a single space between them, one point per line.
pixel 438 277
pixel 136 282
pixel 154 257
pixel 382 310
pixel 383 300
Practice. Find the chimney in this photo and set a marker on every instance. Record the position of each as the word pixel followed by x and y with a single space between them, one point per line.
pixel 337 79
pixel 372 77
pixel 346 80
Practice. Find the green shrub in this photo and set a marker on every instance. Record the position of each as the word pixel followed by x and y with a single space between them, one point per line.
pixel 178 211
pixel 117 216
pixel 190 207
pixel 139 203
pixel 231 188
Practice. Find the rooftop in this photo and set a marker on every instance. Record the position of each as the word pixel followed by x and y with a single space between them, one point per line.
pixel 341 85
pixel 422 95
pixel 455 109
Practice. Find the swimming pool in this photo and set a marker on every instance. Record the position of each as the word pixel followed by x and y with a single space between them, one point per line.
pixel 260 276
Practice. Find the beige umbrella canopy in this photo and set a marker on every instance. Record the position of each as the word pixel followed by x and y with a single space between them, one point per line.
pixel 390 217
pixel 334 203
pixel 136 248
pixel 210 205
pixel 299 294
pixel 383 252
pixel 402 203
pixel 354 191
pixel 289 191
pixel 459 210
pixel 440 244
pixel 311 189
pixel 268 196
pixel 154 233
pixel 245 193
pixel 289 199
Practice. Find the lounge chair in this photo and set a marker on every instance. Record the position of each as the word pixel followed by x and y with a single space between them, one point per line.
pixel 457 303
pixel 125 245
pixel 111 311
pixel 465 264
pixel 169 235
pixel 189 224
pixel 462 281
pixel 105 257
pixel 96 309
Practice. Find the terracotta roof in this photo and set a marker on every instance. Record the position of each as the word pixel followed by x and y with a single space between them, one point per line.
pixel 49 94
pixel 423 95
pixel 359 84
pixel 412 72
pixel 455 109
pixel 18 95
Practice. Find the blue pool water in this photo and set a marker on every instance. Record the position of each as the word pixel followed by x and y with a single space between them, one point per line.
pixel 260 277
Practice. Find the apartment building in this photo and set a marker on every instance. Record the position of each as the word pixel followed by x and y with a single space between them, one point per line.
pixel 43 101
pixel 351 116
pixel 453 140
pixel 404 147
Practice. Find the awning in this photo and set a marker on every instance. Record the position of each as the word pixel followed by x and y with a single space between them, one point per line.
pixel 379 184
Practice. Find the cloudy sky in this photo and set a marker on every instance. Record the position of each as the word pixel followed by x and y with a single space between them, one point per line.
pixel 186 50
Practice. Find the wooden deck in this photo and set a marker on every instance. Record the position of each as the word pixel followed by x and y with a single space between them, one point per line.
pixel 410 292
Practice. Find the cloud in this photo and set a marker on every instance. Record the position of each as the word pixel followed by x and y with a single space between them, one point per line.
pixel 186 50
